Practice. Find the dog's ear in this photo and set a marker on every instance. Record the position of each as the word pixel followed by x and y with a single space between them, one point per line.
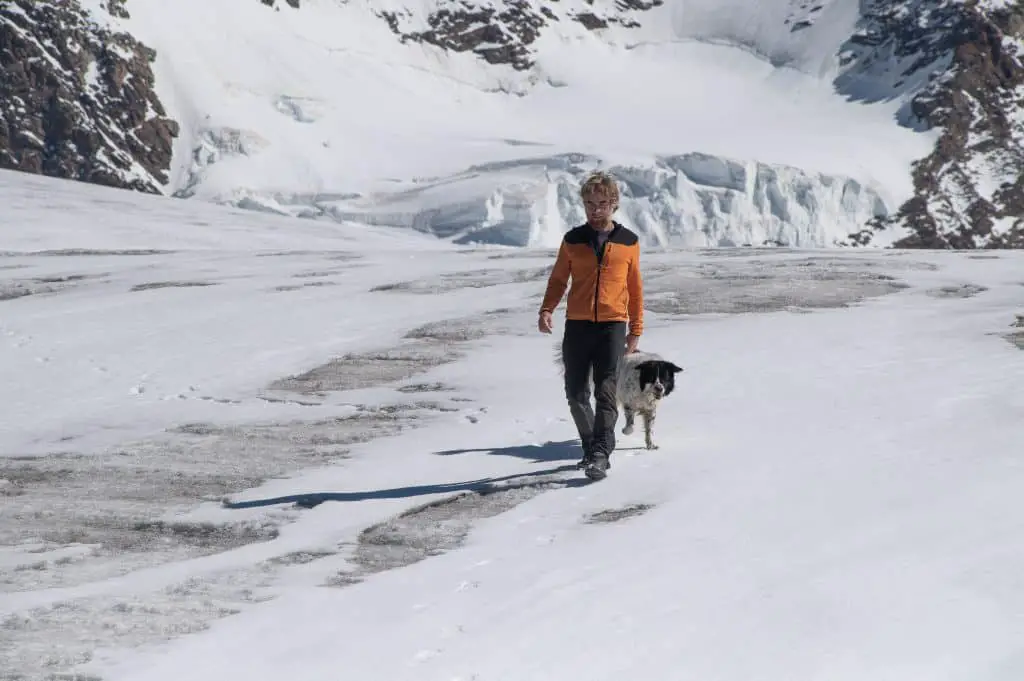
pixel 674 368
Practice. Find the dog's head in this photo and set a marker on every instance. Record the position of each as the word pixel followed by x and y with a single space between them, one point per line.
pixel 658 377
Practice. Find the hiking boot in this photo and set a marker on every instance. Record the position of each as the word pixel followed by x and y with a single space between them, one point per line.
pixel 587 456
pixel 597 466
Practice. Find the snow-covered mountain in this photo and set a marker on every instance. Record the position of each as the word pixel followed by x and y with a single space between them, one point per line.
pixel 805 122
pixel 958 66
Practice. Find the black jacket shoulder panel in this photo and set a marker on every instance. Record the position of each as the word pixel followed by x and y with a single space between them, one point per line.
pixel 624 235
pixel 620 235
pixel 578 235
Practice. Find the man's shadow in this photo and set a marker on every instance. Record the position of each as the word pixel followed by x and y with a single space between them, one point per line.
pixel 549 452
pixel 479 486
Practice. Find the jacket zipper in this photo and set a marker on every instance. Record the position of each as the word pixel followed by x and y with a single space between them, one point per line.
pixel 599 254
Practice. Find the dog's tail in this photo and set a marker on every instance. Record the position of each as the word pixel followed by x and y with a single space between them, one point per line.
pixel 559 357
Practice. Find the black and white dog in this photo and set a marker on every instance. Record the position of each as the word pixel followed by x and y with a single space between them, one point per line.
pixel 644 380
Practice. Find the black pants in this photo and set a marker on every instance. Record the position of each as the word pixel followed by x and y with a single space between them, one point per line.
pixel 592 351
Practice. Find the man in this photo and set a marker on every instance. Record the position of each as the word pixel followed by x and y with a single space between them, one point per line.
pixel 602 259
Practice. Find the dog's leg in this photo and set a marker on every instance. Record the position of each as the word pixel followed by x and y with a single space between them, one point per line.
pixel 628 413
pixel 648 417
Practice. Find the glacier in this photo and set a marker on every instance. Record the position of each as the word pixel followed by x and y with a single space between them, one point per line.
pixel 688 200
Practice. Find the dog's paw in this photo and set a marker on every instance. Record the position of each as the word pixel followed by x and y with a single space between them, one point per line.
pixel 651 445
pixel 628 430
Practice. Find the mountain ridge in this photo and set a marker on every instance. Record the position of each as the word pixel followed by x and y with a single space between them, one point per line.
pixel 970 54
pixel 951 70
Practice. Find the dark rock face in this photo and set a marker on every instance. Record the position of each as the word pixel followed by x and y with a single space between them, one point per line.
pixel 963 64
pixel 77 99
pixel 504 33
pixel 498 36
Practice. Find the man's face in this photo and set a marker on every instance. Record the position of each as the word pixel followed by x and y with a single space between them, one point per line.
pixel 599 207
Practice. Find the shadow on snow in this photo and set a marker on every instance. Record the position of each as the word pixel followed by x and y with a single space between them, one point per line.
pixel 481 486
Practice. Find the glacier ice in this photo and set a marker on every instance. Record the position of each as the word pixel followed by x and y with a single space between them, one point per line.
pixel 690 200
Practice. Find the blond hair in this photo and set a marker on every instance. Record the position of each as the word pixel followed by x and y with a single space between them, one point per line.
pixel 602 184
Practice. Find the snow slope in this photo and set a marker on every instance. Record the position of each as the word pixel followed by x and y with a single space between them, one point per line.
pixel 836 494
pixel 289 109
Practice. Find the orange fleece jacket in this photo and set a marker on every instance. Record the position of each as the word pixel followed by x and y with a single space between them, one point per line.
pixel 607 291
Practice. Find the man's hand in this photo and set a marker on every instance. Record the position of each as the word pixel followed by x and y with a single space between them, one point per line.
pixel 544 322
pixel 631 343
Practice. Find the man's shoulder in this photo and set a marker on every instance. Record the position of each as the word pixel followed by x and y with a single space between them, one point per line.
pixel 582 234
pixel 624 235
pixel 578 235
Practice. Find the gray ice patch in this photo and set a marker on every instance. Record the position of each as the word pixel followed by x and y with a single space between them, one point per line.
pixel 87 252
pixel 435 387
pixel 308 284
pixel 149 286
pixel 428 346
pixel 48 643
pixel 337 256
pixel 735 287
pixel 14 289
pixel 454 281
pixel 353 371
pixel 465 329
pixel 613 515
pixel 959 291
pixel 1017 337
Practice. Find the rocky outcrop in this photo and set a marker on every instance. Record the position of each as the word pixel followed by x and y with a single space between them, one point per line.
pixel 960 63
pixel 498 36
pixel 77 98
pixel 504 33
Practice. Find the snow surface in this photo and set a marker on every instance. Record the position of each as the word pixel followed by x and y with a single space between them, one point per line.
pixel 291 110
pixel 837 493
